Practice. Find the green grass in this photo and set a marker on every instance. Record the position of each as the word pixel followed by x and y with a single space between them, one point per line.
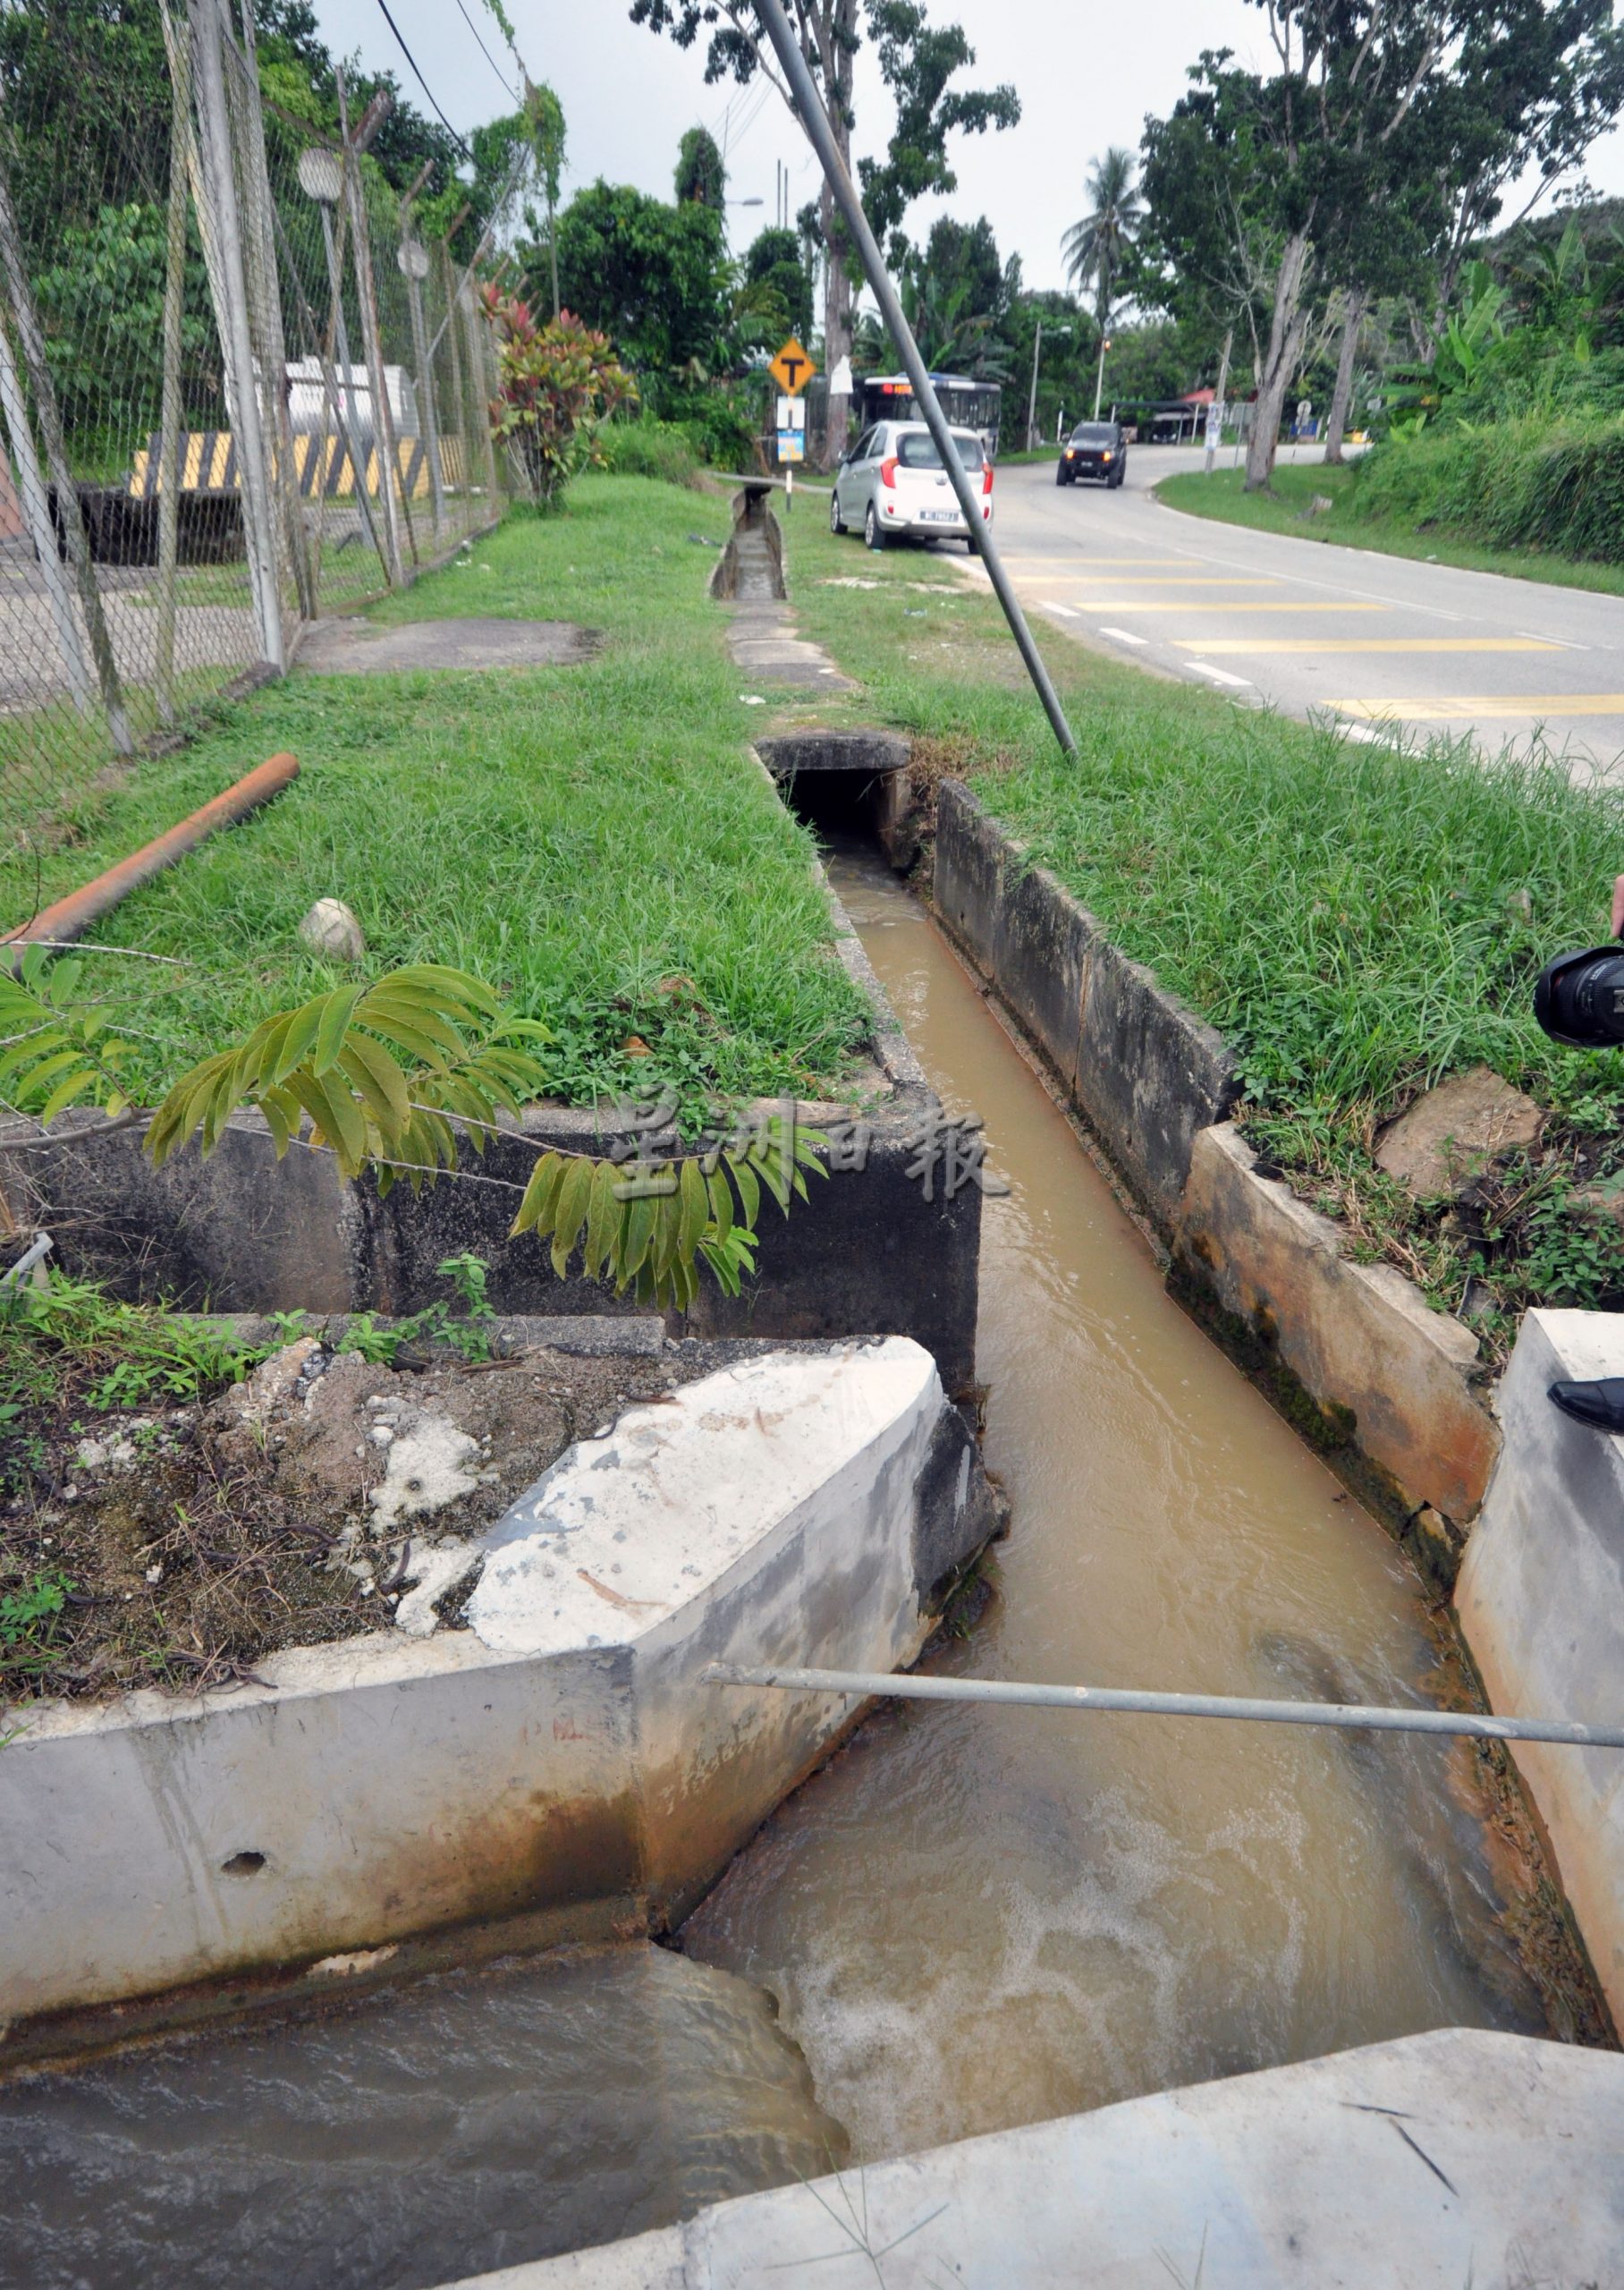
pixel 1285 509
pixel 594 841
pixel 1355 920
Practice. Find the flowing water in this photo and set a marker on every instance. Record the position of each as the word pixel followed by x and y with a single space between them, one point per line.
pixel 970 1918
pixel 466 2122
pixel 974 1917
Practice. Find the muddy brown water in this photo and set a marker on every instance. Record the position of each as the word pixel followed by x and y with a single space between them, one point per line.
pixel 969 1919
pixel 974 1917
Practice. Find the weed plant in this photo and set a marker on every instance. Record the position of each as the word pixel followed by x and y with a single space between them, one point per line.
pixel 1357 920
pixel 594 841
pixel 1490 501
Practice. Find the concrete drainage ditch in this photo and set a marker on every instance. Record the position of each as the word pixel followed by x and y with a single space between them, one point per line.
pixel 522 1754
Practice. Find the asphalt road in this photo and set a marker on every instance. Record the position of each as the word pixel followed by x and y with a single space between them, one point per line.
pixel 1377 641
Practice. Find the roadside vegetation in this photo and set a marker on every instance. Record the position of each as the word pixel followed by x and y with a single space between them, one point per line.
pixel 592 841
pixel 1357 921
pixel 1359 517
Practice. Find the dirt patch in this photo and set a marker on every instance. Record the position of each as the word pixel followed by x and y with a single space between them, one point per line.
pixel 324 1495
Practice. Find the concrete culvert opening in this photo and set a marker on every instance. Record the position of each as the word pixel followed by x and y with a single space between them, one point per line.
pixel 751 568
pixel 849 787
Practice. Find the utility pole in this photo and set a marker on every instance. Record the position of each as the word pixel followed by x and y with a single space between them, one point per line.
pixel 842 192
pixel 1214 420
pixel 1032 437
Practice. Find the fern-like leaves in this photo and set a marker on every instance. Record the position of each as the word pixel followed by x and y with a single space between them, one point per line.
pixel 390 1075
pixel 381 1071
pixel 652 1225
pixel 54 1051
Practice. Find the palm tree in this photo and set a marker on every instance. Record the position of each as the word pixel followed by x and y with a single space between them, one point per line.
pixel 1097 247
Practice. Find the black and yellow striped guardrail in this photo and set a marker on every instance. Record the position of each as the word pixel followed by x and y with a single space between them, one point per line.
pixel 323 465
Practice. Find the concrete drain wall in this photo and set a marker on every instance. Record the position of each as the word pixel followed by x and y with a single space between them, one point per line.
pixel 557 1758
pixel 1385 1375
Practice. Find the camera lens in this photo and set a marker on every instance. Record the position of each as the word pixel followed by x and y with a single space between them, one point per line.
pixel 1579 998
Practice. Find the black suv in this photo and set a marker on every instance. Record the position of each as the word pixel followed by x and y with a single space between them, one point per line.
pixel 1094 449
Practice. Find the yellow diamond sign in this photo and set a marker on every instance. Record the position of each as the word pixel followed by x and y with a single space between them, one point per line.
pixel 792 369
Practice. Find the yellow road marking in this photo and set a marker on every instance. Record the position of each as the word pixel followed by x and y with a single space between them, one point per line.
pixel 1199 605
pixel 1499 703
pixel 1364 644
pixel 1082 556
pixel 1151 580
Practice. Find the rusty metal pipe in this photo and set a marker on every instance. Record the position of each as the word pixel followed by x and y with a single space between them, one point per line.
pixel 72 916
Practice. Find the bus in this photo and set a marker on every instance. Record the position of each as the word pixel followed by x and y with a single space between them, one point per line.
pixel 967 404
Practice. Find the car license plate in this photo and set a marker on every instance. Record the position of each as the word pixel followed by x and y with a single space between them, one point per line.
pixel 940 516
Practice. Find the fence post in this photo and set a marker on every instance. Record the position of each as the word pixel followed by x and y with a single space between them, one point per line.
pixel 37 508
pixel 168 479
pixel 382 426
pixel 226 275
pixel 479 383
pixel 413 259
pixel 32 342
pixel 465 447
pixel 265 305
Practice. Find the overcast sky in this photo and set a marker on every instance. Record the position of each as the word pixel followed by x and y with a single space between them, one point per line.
pixel 1085 79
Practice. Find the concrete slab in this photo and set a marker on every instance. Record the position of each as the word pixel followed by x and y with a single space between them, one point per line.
pixel 1457 2157
pixel 363 647
pixel 1541 1602
pixel 557 1758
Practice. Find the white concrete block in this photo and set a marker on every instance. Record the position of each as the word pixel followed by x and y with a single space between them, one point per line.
pixel 1442 2160
pixel 560 1754
pixel 1541 1601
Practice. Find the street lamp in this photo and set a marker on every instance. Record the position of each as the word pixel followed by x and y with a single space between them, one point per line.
pixel 1032 401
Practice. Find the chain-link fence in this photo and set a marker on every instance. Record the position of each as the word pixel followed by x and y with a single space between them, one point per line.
pixel 237 389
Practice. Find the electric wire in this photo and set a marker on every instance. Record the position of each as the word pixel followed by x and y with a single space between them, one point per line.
pixel 485 52
pixel 422 82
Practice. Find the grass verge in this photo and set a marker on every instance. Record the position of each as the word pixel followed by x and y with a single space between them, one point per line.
pixel 594 841
pixel 1286 509
pixel 1356 920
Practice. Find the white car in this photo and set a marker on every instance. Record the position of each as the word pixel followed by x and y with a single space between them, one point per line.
pixel 893 482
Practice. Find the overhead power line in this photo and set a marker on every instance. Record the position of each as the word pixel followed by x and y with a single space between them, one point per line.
pixel 422 82
pixel 485 52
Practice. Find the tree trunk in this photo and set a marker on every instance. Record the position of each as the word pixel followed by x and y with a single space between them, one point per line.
pixel 1286 329
pixel 1352 321
pixel 553 249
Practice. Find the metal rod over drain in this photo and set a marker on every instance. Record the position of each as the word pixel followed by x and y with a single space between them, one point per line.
pixel 1349 1717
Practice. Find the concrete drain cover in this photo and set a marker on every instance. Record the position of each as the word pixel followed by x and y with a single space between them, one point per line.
pixel 360 648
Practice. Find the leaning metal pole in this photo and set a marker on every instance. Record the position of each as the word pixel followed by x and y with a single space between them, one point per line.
pixel 816 121
pixel 1349 1716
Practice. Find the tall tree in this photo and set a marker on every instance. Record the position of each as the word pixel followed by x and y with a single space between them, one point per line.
pixel 777 287
pixel 917 62
pixel 1097 246
pixel 701 177
pixel 651 276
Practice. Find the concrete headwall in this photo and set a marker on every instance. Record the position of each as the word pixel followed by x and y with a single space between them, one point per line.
pixel 1441 2160
pixel 1387 1375
pixel 1541 1604
pixel 865 1253
pixel 559 1755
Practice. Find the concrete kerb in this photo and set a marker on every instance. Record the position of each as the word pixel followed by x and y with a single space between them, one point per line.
pixel 1382 1373
pixel 1541 1602
pixel 556 1759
